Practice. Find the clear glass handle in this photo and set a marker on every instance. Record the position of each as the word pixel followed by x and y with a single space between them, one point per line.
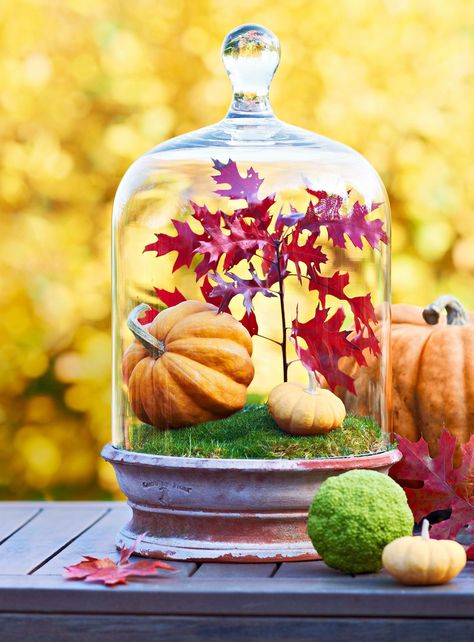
pixel 251 55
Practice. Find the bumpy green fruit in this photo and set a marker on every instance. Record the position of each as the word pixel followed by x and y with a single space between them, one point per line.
pixel 354 516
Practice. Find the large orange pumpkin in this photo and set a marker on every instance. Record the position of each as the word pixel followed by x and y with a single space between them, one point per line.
pixel 433 372
pixel 190 364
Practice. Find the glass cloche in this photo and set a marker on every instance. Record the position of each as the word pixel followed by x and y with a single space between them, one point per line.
pixel 251 287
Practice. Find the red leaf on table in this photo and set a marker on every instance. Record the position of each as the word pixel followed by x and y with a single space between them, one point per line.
pixel 326 344
pixel 245 187
pixel 184 243
pixel 110 573
pixel 439 485
pixel 326 213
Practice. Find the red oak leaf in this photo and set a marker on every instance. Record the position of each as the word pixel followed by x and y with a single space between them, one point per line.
pixel 326 213
pixel 210 221
pixel 184 243
pixel 249 321
pixel 309 254
pixel 470 552
pixel 215 299
pixel 363 311
pixel 170 298
pixel 239 186
pixel 248 288
pixel 241 242
pixel 287 220
pixel 326 344
pixel 110 573
pixel 259 211
pixel 148 317
pixel 432 483
pixel 333 285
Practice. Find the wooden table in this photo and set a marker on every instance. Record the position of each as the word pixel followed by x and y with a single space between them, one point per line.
pixel 295 601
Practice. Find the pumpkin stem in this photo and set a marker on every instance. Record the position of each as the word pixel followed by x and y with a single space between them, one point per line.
pixel 425 529
pixel 155 348
pixel 455 312
pixel 313 385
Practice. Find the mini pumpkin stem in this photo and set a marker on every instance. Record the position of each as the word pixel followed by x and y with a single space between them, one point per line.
pixel 425 529
pixel 455 312
pixel 313 385
pixel 155 348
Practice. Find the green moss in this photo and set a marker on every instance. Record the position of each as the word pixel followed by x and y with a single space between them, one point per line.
pixel 253 434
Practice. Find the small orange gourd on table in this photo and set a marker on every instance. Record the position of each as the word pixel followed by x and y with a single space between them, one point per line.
pixel 423 561
pixel 189 365
pixel 305 411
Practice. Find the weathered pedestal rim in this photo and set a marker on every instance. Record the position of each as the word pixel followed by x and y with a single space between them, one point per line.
pixel 243 510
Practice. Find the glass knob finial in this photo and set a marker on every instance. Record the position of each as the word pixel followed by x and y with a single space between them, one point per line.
pixel 251 55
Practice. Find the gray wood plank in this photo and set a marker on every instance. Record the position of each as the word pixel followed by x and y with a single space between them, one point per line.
pixel 13 517
pixel 381 597
pixel 317 569
pixel 46 534
pixel 99 541
pixel 233 571
pixel 73 628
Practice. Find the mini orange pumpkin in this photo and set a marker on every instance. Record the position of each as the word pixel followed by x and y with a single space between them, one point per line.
pixel 433 372
pixel 421 561
pixel 191 364
pixel 305 411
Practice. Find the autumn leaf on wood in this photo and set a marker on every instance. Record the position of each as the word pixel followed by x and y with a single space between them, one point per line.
pixel 110 573
pixel 432 483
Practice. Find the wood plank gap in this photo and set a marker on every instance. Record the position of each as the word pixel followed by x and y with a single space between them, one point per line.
pixel 194 570
pixel 61 548
pixel 27 521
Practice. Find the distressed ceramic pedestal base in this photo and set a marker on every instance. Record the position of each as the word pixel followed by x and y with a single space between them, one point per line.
pixel 225 509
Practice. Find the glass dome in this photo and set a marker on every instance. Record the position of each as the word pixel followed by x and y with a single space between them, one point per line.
pixel 251 287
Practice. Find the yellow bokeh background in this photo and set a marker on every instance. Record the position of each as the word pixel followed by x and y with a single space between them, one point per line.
pixel 88 85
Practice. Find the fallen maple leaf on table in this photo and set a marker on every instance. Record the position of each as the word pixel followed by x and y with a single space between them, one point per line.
pixel 433 484
pixel 110 573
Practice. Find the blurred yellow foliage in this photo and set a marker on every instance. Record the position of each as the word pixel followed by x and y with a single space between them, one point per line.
pixel 87 85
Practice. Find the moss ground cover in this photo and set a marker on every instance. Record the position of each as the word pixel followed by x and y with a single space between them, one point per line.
pixel 253 434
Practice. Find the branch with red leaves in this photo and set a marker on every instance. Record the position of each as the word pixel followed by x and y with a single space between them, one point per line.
pixel 433 484
pixel 275 248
